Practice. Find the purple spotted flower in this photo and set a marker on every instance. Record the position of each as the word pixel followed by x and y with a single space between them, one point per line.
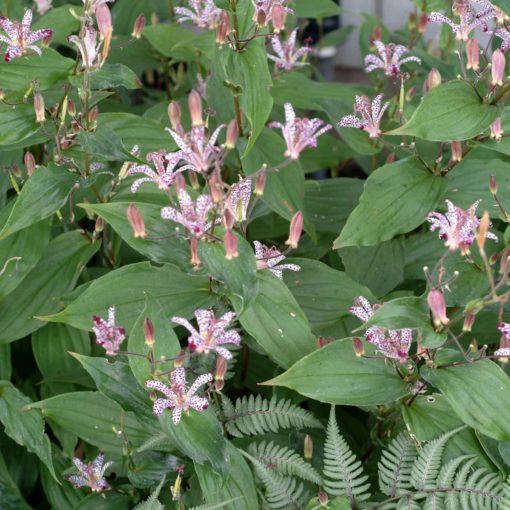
pixel 393 344
pixel 389 59
pixel 239 198
pixel 19 37
pixel 178 397
pixel 43 6
pixel 203 13
pixel 504 344
pixel 503 34
pixel 212 333
pixel 270 258
pixel 108 334
pixel 265 11
pixel 90 474
pixel 469 20
pixel 165 172
pixel 457 227
pixel 299 133
pixel 193 215
pixel 371 115
pixel 88 46
pixel 287 54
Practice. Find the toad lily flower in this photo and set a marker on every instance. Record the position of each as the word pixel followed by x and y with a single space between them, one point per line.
pixel 299 133
pixel 203 13
pixel 504 345
pixel 269 258
pixel 393 344
pixel 503 34
pixel 43 6
pixel 193 215
pixel 108 334
pixel 164 176
pixel 19 37
pixel 88 46
pixel 371 115
pixel 212 333
pixel 91 474
pixel 457 227
pixel 287 55
pixel 178 397
pixel 390 60
pixel 239 198
pixel 270 11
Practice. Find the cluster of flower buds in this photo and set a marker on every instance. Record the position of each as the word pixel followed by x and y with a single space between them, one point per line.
pixel 271 11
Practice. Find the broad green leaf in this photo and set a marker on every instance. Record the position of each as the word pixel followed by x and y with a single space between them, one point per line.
pixel 9 491
pixel 323 293
pixel 110 76
pixel 166 343
pixel 104 143
pixel 380 267
pixel 317 9
pixel 335 375
pixel 46 70
pixel 396 199
pixel 237 484
pixel 25 428
pixel 429 416
pixel 5 362
pixel 179 294
pixel 61 21
pixel 276 322
pixel 453 111
pixel 18 124
pixel 45 192
pixel 479 392
pixel 503 5
pixel 56 274
pixel 105 501
pixel 239 274
pixel 94 418
pixel 200 437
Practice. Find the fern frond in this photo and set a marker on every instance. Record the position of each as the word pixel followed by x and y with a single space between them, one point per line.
pixel 152 502
pixel 343 474
pixel 216 506
pixel 154 442
pixel 396 464
pixel 408 503
pixel 256 415
pixel 284 460
pixel 426 466
pixel 282 491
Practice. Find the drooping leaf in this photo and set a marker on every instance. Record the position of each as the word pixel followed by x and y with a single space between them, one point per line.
pixel 12 498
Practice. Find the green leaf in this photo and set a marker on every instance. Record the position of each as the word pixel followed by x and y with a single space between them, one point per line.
pixel 9 491
pixel 452 111
pixel 323 293
pixel 55 275
pixel 45 192
pixel 276 322
pixel 334 374
pixel 239 274
pixel 179 293
pixel 105 143
pixel 105 501
pixel 479 392
pixel 317 9
pixel 25 428
pixel 407 312
pixel 503 5
pixel 18 124
pixel 396 199
pixel 166 343
pixel 94 417
pixel 110 76
pixel 61 21
pixel 46 70
pixel 237 484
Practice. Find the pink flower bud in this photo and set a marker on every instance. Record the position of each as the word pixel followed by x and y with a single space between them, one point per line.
pixel 323 341
pixel 104 19
pixel 195 259
pixel 410 93
pixel 498 67
pixel 261 18
pixel 230 243
pixel 323 498
pixel 40 114
pixel 216 186
pixel 138 27
pixel 456 151
pixel 473 55
pixel 148 331
pixel 260 183
pixel 392 157
pixel 221 370
pixel 232 134
pixel 48 37
pixel 223 29
pixel 99 226
pixel 497 130
pixel 308 447
pixel 422 24
pixel 469 320
pixel 433 80
pixel 195 108
pixel 376 35
pixel 228 219
pixel 358 347
pixel 136 221
pixel 295 230
pixel 175 113
pixel 92 116
pixel 493 185
pixel 71 108
pixel 29 161
pixel 437 305
pixel 278 16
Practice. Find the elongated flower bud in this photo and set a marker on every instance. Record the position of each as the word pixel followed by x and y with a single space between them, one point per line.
pixel 92 116
pixel 99 226
pixel 261 18
pixel 138 27
pixel 40 114
pixel 358 347
pixel 219 375
pixel 433 80
pixel 104 19
pixel 179 182
pixel 195 108
pixel 473 55
pixel 498 67
pixel 308 447
pixel 469 320
pixel 232 134
pixel 437 305
pixel 456 151
pixel 322 341
pixel 422 24
pixel 195 259
pixel 148 331
pixel 174 114
pixel 497 130
pixel 29 161
pixel 216 186
pixel 485 223
pixel 223 29
pixel 260 182
pixel 230 243
pixel 136 221
pixel 228 219
pixel 493 185
pixel 71 108
pixel 278 15
pixel 295 230
pixel 323 498
pixel 376 35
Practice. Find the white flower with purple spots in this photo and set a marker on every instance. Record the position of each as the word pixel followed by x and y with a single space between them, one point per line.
pixel 270 258
pixel 390 58
pixel 287 54
pixel 238 199
pixel 108 334
pixel 90 474
pixel 371 115
pixel 202 13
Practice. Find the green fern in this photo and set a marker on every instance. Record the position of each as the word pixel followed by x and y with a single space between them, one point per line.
pixel 343 474
pixel 281 491
pixel 284 461
pixel 256 415
pixel 152 503
pixel 216 506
